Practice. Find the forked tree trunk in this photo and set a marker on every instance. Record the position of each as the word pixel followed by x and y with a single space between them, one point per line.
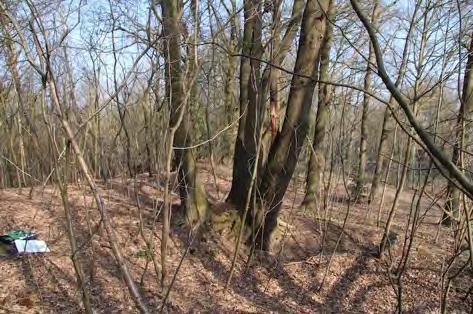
pixel 244 162
pixel 289 141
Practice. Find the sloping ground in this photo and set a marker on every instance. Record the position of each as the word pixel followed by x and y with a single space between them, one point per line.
pixel 301 277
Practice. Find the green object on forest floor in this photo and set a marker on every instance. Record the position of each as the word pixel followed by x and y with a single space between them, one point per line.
pixel 17 234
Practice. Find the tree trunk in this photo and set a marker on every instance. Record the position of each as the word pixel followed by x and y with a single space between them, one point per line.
pixel 192 193
pixel 245 145
pixel 229 94
pixel 361 175
pixel 289 141
pixel 462 137
pixel 243 162
pixel 317 159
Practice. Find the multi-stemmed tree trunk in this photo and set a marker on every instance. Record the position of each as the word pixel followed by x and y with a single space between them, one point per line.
pixel 289 141
pixel 462 137
pixel 316 165
pixel 361 175
pixel 253 101
pixel 271 75
pixel 285 149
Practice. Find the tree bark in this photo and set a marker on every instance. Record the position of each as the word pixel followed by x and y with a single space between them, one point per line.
pixel 229 94
pixel 192 194
pixel 248 127
pixel 317 159
pixel 244 162
pixel 289 141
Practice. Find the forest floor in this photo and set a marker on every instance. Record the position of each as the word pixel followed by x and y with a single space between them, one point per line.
pixel 320 268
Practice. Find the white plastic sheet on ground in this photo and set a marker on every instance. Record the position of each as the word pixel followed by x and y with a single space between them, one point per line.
pixel 31 246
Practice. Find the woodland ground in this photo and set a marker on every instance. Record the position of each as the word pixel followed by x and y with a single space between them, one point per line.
pixel 300 278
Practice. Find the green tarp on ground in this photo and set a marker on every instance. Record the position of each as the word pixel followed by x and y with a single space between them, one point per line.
pixel 17 234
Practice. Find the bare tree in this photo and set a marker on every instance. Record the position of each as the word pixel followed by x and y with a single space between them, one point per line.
pixel 362 160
